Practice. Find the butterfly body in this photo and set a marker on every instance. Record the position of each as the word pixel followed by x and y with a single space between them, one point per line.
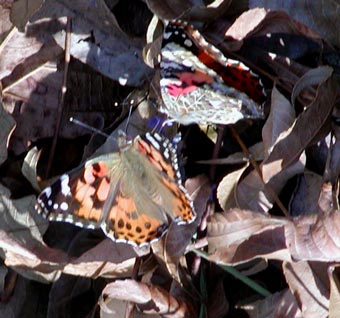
pixel 131 194
pixel 200 85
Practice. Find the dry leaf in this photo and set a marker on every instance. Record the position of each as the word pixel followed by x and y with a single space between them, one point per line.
pixel 309 284
pixel 162 303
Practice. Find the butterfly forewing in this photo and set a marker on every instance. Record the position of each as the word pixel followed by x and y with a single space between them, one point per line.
pixel 77 197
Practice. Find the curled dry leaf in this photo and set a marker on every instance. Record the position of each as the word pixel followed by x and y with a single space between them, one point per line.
pixel 227 188
pixel 148 299
pixel 282 162
pixel 104 259
pixel 29 167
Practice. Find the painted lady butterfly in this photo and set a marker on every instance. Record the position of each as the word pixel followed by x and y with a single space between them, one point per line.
pixel 131 194
pixel 200 85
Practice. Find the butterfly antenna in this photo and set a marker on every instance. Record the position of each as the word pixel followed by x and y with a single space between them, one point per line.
pixel 86 126
pixel 128 118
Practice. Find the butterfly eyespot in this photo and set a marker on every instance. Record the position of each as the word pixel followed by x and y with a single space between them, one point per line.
pixel 128 226
pixel 147 225
pixel 138 229
pixel 120 223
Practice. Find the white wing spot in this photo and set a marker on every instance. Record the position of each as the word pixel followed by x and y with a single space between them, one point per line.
pixel 55 206
pixel 49 202
pixel 47 192
pixel 187 63
pixel 188 43
pixel 65 188
pixel 64 206
pixel 153 141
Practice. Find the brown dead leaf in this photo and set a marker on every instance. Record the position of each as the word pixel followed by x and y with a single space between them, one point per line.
pixel 5 23
pixel 31 87
pixel 238 235
pixel 334 299
pixel 148 299
pixel 226 189
pixel 281 117
pixel 170 9
pixel 312 77
pixel 310 286
pixel 314 237
pixel 318 16
pixel 282 304
pixel 22 11
pixel 264 22
pixel 97 40
pixel 252 193
pixel 315 118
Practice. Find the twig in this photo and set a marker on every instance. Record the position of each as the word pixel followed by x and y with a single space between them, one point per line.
pixel 63 94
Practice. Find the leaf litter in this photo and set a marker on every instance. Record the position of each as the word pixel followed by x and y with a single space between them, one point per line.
pixel 84 273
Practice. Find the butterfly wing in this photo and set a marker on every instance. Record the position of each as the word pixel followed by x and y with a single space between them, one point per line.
pixel 148 193
pixel 79 197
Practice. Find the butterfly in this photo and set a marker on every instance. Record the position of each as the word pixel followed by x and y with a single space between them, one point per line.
pixel 200 85
pixel 132 195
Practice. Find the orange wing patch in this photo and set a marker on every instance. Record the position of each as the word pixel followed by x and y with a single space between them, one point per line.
pixel 125 224
pixel 91 191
